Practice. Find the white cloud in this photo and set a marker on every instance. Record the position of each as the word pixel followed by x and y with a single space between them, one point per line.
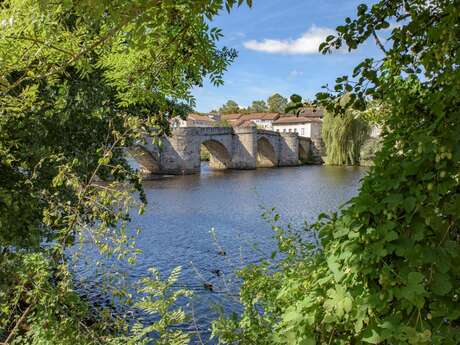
pixel 295 73
pixel 308 43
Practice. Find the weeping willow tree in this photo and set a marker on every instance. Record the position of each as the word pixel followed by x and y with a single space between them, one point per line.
pixel 344 135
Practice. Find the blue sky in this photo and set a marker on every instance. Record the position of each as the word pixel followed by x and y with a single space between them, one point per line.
pixel 277 45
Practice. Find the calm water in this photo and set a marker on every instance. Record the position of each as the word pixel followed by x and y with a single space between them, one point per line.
pixel 182 211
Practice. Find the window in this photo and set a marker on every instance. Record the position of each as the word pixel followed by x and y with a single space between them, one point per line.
pixel 302 131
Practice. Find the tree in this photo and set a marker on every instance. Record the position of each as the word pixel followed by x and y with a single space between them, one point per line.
pixel 343 136
pixel 386 269
pixel 294 105
pixel 258 107
pixel 229 108
pixel 80 81
pixel 277 103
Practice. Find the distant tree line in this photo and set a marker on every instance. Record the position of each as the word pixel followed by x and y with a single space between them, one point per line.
pixel 276 103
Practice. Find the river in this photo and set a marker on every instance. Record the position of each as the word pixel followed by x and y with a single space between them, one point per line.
pixel 182 211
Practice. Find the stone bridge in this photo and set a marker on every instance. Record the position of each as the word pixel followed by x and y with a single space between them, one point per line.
pixel 229 148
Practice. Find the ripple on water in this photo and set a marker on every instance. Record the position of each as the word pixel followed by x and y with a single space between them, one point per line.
pixel 182 210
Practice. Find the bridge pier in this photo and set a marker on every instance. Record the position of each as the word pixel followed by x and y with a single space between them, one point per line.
pixel 244 148
pixel 289 150
pixel 178 155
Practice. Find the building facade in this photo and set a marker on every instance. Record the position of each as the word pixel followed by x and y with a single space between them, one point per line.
pixel 307 123
pixel 301 126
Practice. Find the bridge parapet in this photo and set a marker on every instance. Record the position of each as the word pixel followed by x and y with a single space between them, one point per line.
pixel 215 130
pixel 267 132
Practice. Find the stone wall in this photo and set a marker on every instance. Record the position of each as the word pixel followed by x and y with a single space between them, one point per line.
pixel 244 148
pixel 289 149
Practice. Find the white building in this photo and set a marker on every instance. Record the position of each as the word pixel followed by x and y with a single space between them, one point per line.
pixel 307 123
pixel 293 124
pixel 262 120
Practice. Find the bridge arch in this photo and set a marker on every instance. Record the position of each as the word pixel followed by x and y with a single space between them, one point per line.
pixel 220 156
pixel 266 154
pixel 148 163
pixel 304 150
pixel 304 157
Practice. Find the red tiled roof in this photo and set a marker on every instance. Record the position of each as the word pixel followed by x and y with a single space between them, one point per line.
pixel 271 116
pixel 242 123
pixel 233 122
pixel 252 116
pixel 230 117
pixel 260 116
pixel 295 119
pixel 198 117
pixel 311 112
pixel 246 123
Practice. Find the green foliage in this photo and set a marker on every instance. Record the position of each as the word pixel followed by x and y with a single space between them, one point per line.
pixel 159 298
pixel 258 107
pixel 52 313
pixel 386 269
pixel 276 103
pixel 295 104
pixel 205 156
pixel 369 151
pixel 79 82
pixel 230 107
pixel 375 113
pixel 344 134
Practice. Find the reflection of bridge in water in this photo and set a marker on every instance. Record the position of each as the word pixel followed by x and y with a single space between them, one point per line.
pixel 229 148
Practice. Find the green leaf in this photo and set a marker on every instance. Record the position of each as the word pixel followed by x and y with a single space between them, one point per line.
pixel 339 300
pixel 441 285
pixel 409 203
pixel 293 316
pixel 371 336
pixel 414 289
pixel 334 266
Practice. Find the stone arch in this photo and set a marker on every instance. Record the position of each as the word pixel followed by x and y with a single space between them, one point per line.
pixel 266 154
pixel 304 156
pixel 220 157
pixel 147 162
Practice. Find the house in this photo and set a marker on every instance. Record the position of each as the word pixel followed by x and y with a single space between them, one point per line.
pixel 232 119
pixel 261 120
pixel 214 116
pixel 311 112
pixel 307 123
pixel 193 120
